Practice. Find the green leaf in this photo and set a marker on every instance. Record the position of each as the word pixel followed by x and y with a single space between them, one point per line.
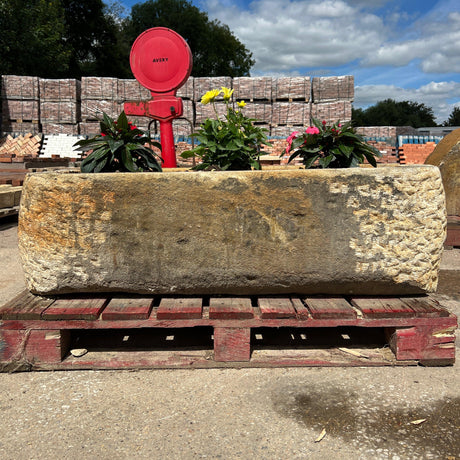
pixel 122 121
pixel 308 162
pixel 114 145
pixel 346 150
pixel 127 160
pixel 325 161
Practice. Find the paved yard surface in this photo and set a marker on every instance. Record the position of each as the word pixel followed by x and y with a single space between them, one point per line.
pixel 230 413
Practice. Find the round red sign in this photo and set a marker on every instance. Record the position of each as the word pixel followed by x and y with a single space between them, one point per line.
pixel 161 60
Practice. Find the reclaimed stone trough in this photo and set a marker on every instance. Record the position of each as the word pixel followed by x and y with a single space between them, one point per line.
pixel 358 231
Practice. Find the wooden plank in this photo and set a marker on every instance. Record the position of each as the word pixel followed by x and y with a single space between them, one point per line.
pixel 87 308
pixel 329 308
pixel 183 308
pixel 382 307
pixel 276 307
pixel 232 344
pixel 431 344
pixel 425 307
pixel 230 308
pixel 125 308
pixel 300 308
pixel 25 306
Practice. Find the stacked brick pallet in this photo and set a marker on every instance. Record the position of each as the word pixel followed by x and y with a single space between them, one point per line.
pixel 415 153
pixel 69 106
pixel 27 145
pixel 98 95
pixel 20 104
pixel 60 105
pixel 332 98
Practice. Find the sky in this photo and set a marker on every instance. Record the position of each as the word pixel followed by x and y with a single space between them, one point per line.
pixel 403 50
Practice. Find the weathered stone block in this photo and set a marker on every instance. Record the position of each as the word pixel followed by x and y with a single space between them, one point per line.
pixel 361 231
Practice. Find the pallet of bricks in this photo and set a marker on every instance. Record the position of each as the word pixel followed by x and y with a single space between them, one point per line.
pixel 18 149
pixel 332 98
pixel 60 105
pixel 290 109
pixel 98 95
pixel 383 138
pixel 19 104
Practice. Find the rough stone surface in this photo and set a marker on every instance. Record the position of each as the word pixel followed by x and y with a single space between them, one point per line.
pixel 361 231
pixel 446 156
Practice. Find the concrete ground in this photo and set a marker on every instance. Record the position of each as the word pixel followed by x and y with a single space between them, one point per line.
pixel 229 413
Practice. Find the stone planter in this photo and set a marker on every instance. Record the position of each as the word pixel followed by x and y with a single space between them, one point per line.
pixel 356 231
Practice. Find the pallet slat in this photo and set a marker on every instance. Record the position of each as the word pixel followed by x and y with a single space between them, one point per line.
pixel 75 308
pixel 425 307
pixel 329 308
pixel 390 307
pixel 187 308
pixel 25 306
pixel 230 308
pixel 127 308
pixel 276 307
pixel 300 308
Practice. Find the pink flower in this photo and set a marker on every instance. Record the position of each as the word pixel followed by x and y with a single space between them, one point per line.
pixel 312 130
pixel 290 139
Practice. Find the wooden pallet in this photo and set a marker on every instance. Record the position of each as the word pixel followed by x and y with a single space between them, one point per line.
pixel 122 331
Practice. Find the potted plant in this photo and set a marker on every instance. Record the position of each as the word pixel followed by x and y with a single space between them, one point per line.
pixel 120 146
pixel 230 144
pixel 335 146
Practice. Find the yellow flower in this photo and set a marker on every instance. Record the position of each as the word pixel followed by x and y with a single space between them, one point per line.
pixel 227 93
pixel 210 96
pixel 241 104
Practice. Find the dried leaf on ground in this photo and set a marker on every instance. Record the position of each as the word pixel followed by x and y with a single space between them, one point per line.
pixel 321 436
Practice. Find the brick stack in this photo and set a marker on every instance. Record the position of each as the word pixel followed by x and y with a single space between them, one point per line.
pixel 332 98
pixel 19 149
pixel 60 105
pixel 60 146
pixel 415 153
pixel 257 93
pixel 98 94
pixel 20 104
pixel 291 105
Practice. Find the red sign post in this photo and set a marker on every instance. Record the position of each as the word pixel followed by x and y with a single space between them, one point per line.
pixel 161 61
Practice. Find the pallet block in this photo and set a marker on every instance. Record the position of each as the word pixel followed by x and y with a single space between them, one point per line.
pixel 38 332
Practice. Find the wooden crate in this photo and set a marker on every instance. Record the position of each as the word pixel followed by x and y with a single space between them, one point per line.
pixel 38 332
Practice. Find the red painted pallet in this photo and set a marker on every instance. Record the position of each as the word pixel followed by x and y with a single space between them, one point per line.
pixel 122 332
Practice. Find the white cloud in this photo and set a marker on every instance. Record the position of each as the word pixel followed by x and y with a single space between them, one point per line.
pixel 286 37
pixel 437 45
pixel 305 33
pixel 435 95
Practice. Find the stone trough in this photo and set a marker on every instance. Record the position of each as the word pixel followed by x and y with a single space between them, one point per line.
pixel 358 231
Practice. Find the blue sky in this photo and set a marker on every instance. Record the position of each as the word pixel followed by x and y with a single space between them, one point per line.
pixel 404 50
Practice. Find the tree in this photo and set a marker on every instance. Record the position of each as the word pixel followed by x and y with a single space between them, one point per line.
pixel 392 113
pixel 95 47
pixel 31 38
pixel 61 38
pixel 454 118
pixel 216 51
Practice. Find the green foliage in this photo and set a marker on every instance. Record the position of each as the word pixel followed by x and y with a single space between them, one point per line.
pixel 454 118
pixel 61 38
pixel 233 143
pixel 96 48
pixel 216 51
pixel 392 113
pixel 31 38
pixel 336 146
pixel 75 38
pixel 119 147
